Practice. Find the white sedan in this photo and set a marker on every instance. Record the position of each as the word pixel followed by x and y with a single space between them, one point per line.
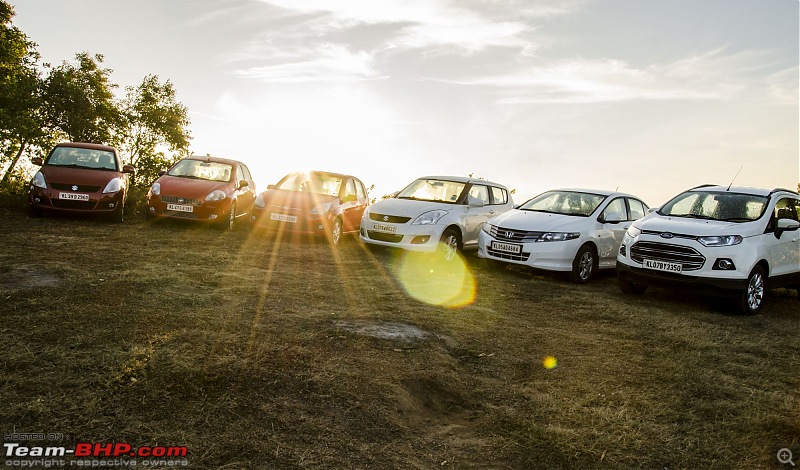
pixel 443 213
pixel 572 230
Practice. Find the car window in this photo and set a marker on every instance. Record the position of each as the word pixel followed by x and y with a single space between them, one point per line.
pixel 479 193
pixel 565 202
pixel 615 211
pixel 433 190
pixel 315 182
pixel 201 169
pixel 246 172
pixel 637 209
pixel 350 188
pixel 239 174
pixel 82 158
pixel 728 206
pixel 785 208
pixel 360 191
pixel 499 195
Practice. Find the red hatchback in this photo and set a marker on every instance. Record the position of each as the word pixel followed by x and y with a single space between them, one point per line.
pixel 80 178
pixel 317 203
pixel 204 189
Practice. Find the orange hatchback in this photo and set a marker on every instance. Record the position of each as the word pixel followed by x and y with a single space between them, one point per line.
pixel 80 178
pixel 204 189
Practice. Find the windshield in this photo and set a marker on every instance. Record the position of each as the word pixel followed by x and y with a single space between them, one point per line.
pixel 730 207
pixel 202 170
pixel 317 183
pixel 432 190
pixel 564 202
pixel 83 158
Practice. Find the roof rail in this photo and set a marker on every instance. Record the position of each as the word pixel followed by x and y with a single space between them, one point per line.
pixel 783 189
pixel 703 186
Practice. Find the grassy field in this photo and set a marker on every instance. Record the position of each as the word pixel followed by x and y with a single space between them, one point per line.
pixel 256 352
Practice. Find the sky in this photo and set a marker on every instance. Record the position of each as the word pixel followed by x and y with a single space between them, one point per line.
pixel 648 97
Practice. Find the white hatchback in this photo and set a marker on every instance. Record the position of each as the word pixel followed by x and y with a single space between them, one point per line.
pixel 433 213
pixel 572 230
pixel 716 240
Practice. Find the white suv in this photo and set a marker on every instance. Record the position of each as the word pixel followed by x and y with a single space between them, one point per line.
pixel 433 213
pixel 716 240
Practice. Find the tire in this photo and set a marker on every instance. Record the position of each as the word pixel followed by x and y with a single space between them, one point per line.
pixel 336 232
pixel 34 211
pixel 584 265
pixel 494 265
pixel 449 245
pixel 632 288
pixel 230 220
pixel 751 299
pixel 118 216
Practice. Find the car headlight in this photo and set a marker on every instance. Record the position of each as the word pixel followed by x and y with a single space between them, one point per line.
pixel 38 180
pixel 321 208
pixel 723 240
pixel 558 236
pixel 155 190
pixel 487 228
pixel 113 186
pixel 634 231
pixel 260 203
pixel 216 195
pixel 429 218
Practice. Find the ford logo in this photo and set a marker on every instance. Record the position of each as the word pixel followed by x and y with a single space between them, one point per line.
pixel 667 235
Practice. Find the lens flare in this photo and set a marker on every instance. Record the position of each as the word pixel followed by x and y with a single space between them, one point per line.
pixel 550 362
pixel 436 281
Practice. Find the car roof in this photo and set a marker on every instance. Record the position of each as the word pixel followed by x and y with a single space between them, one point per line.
pixel 212 159
pixel 740 189
pixel 602 192
pixel 342 175
pixel 461 179
pixel 87 145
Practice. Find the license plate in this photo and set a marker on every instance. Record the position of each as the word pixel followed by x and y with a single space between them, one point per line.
pixel 507 247
pixel 384 228
pixel 74 196
pixel 283 217
pixel 662 265
pixel 180 208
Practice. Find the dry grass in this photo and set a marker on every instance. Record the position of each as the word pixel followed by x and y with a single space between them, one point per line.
pixel 244 349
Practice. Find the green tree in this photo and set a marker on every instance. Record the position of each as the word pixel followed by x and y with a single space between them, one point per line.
pixel 154 130
pixel 20 93
pixel 79 100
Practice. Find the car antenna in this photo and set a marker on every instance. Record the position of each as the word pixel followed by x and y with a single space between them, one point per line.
pixel 734 178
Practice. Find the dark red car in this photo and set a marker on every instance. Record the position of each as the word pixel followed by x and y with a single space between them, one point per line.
pixel 80 178
pixel 316 203
pixel 204 189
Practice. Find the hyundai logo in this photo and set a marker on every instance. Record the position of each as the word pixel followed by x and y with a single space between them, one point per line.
pixel 74 187
pixel 509 234
pixel 667 235
pixel 385 218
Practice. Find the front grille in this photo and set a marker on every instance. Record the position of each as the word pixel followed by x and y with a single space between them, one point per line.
pixel 669 234
pixel 180 200
pixel 77 205
pixel 509 256
pixel 511 235
pixel 393 219
pixel 384 237
pixel 688 257
pixel 81 188
pixel 181 215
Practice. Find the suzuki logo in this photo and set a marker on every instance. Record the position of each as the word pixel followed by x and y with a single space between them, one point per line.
pixel 509 234
pixel 74 187
pixel 667 235
pixel 385 218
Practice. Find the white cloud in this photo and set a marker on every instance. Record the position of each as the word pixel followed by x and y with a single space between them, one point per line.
pixel 329 62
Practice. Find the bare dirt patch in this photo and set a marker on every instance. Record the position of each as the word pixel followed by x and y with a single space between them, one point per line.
pixel 26 277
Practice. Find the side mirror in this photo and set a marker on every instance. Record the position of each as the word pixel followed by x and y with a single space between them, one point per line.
pixel 350 198
pixel 786 225
pixel 476 203
pixel 652 209
pixel 613 220
pixel 270 186
pixel 128 169
pixel 37 161
pixel 243 183
pixel 162 172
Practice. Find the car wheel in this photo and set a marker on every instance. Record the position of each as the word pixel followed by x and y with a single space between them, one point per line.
pixel 34 211
pixel 584 265
pixel 118 216
pixel 628 287
pixel 752 297
pixel 336 232
pixel 449 245
pixel 494 265
pixel 230 219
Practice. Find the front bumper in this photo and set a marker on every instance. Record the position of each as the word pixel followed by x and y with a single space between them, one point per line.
pixel 49 200
pixel 701 285
pixel 294 222
pixel 551 256
pixel 424 238
pixel 208 212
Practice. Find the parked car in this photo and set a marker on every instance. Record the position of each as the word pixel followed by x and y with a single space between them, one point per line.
pixel 203 189
pixel 716 240
pixel 435 213
pixel 572 230
pixel 315 203
pixel 80 178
